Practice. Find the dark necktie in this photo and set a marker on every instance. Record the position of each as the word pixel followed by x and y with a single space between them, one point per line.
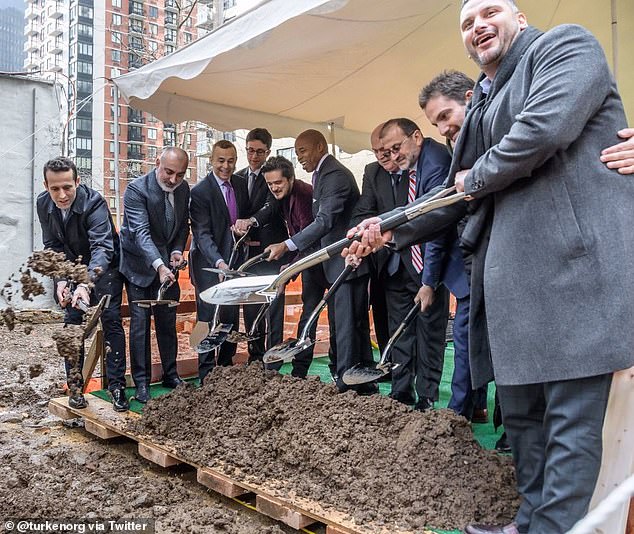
pixel 252 178
pixel 396 180
pixel 230 199
pixel 314 180
pixel 169 214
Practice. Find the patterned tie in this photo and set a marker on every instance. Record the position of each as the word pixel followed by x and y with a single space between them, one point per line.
pixel 170 219
pixel 417 257
pixel 230 198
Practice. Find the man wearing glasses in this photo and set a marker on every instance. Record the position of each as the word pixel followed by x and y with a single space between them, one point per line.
pixel 424 164
pixel 258 147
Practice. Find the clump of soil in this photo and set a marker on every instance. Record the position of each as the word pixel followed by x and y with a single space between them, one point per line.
pixel 35 370
pixel 7 316
pixel 55 265
pixel 370 457
pixel 70 340
pixel 31 287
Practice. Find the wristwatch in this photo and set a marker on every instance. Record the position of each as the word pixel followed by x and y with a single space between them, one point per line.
pixel 254 222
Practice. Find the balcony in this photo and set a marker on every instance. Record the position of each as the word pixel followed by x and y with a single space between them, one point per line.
pixel 135 117
pixel 168 126
pixel 56 68
pixel 136 27
pixel 31 45
pixel 32 62
pixel 135 135
pixel 57 10
pixel 56 29
pixel 170 5
pixel 31 12
pixel 136 11
pixel 134 62
pixel 58 47
pixel 31 30
pixel 135 154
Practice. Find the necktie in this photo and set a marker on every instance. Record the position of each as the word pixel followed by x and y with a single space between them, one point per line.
pixel 169 214
pixel 252 177
pixel 314 180
pixel 396 179
pixel 417 257
pixel 230 199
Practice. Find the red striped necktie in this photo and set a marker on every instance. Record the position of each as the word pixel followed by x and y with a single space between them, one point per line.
pixel 417 257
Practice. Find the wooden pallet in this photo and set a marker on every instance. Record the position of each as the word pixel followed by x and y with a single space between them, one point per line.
pixel 102 421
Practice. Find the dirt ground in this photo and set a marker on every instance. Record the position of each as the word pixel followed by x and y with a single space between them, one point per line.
pixel 49 471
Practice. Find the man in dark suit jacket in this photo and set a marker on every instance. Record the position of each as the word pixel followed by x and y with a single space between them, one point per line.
pixel 291 200
pixel 76 220
pixel 258 147
pixel 153 236
pixel 216 203
pixel 335 194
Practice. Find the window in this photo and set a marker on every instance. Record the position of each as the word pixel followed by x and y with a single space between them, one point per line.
pixel 151 133
pixel 84 49
pixel 111 165
pixel 152 46
pixel 112 111
pixel 228 4
pixel 85 11
pixel 153 29
pixel 168 49
pixel 116 19
pixel 84 86
pixel 115 37
pixel 136 8
pixel 288 153
pixel 188 37
pixel 116 3
pixel 112 128
pixel 84 67
pixel 116 55
pixel 112 147
pixel 112 202
pixel 84 29
pixel 84 124
pixel 151 152
pixel 136 43
pixel 170 35
pixel 114 72
pixel 83 163
pixel 153 12
pixel 111 184
pixel 84 144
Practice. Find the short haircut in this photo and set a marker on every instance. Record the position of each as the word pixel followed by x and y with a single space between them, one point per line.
pixel 60 164
pixel 260 134
pixel 279 163
pixel 451 84
pixel 407 125
pixel 223 144
pixel 509 2
pixel 175 151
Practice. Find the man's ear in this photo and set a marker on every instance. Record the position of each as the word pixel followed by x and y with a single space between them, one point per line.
pixel 467 96
pixel 45 184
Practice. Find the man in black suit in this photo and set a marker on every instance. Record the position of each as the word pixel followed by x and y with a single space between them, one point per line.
pixel 258 147
pixel 292 200
pixel 75 220
pixel 216 203
pixel 153 236
pixel 335 194
pixel 424 164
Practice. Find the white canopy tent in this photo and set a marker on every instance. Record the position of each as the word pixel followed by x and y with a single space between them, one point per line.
pixel 289 65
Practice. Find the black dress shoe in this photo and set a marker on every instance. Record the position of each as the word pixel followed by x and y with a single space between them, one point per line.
pixel 502 444
pixel 172 382
pixel 366 389
pixel 402 397
pixel 119 400
pixel 78 401
pixel 491 529
pixel 424 404
pixel 142 394
pixel 480 416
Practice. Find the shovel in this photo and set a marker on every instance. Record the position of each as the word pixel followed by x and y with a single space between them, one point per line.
pixel 160 298
pixel 259 289
pixel 213 338
pixel 93 319
pixel 361 375
pixel 287 350
pixel 240 271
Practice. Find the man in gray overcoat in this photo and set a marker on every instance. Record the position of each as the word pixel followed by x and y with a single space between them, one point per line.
pixel 550 230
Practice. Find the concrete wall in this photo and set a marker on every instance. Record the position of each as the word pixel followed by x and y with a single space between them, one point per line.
pixel 31 127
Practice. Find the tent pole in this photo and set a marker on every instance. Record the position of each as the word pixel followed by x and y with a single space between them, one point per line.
pixel 117 201
pixel 615 41
pixel 331 132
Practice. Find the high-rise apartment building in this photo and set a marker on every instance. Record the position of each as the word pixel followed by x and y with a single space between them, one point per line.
pixel 11 39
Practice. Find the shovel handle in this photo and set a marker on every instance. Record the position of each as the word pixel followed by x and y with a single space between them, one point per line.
pixel 254 260
pixel 324 301
pixel 416 209
pixel 411 314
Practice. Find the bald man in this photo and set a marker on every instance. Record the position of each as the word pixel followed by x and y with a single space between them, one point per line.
pixel 335 194
pixel 153 236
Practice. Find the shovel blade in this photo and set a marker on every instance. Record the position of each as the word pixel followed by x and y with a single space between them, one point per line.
pixel 362 375
pixel 245 290
pixel 216 338
pixel 286 351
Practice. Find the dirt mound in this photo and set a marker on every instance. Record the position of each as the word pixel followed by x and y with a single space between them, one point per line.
pixel 370 457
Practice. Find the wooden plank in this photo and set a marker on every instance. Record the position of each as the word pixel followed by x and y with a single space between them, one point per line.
pixel 286 515
pixel 60 410
pixel 156 455
pixel 618 454
pixel 332 529
pixel 219 483
pixel 100 430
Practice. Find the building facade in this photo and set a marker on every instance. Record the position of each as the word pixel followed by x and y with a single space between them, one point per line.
pixel 11 39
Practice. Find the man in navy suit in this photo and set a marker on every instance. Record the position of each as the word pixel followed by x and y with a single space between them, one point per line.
pixel 216 203
pixel 424 164
pixel 335 194
pixel 75 220
pixel 258 147
pixel 153 236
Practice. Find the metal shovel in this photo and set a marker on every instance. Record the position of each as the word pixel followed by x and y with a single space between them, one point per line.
pixel 287 350
pixel 240 271
pixel 160 297
pixel 259 289
pixel 361 375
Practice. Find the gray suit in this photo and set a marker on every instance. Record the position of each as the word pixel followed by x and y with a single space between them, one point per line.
pixel 552 242
pixel 144 239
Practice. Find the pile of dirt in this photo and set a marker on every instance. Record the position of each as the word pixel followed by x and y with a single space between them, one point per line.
pixel 370 457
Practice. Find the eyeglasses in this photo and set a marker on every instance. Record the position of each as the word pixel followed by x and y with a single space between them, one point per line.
pixel 395 149
pixel 259 151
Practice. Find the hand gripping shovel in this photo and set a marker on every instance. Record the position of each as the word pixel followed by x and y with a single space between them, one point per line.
pixel 160 297
pixel 241 271
pixel 287 350
pixel 259 289
pixel 361 375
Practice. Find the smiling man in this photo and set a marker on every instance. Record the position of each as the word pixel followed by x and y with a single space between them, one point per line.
pixel 75 220
pixel 216 203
